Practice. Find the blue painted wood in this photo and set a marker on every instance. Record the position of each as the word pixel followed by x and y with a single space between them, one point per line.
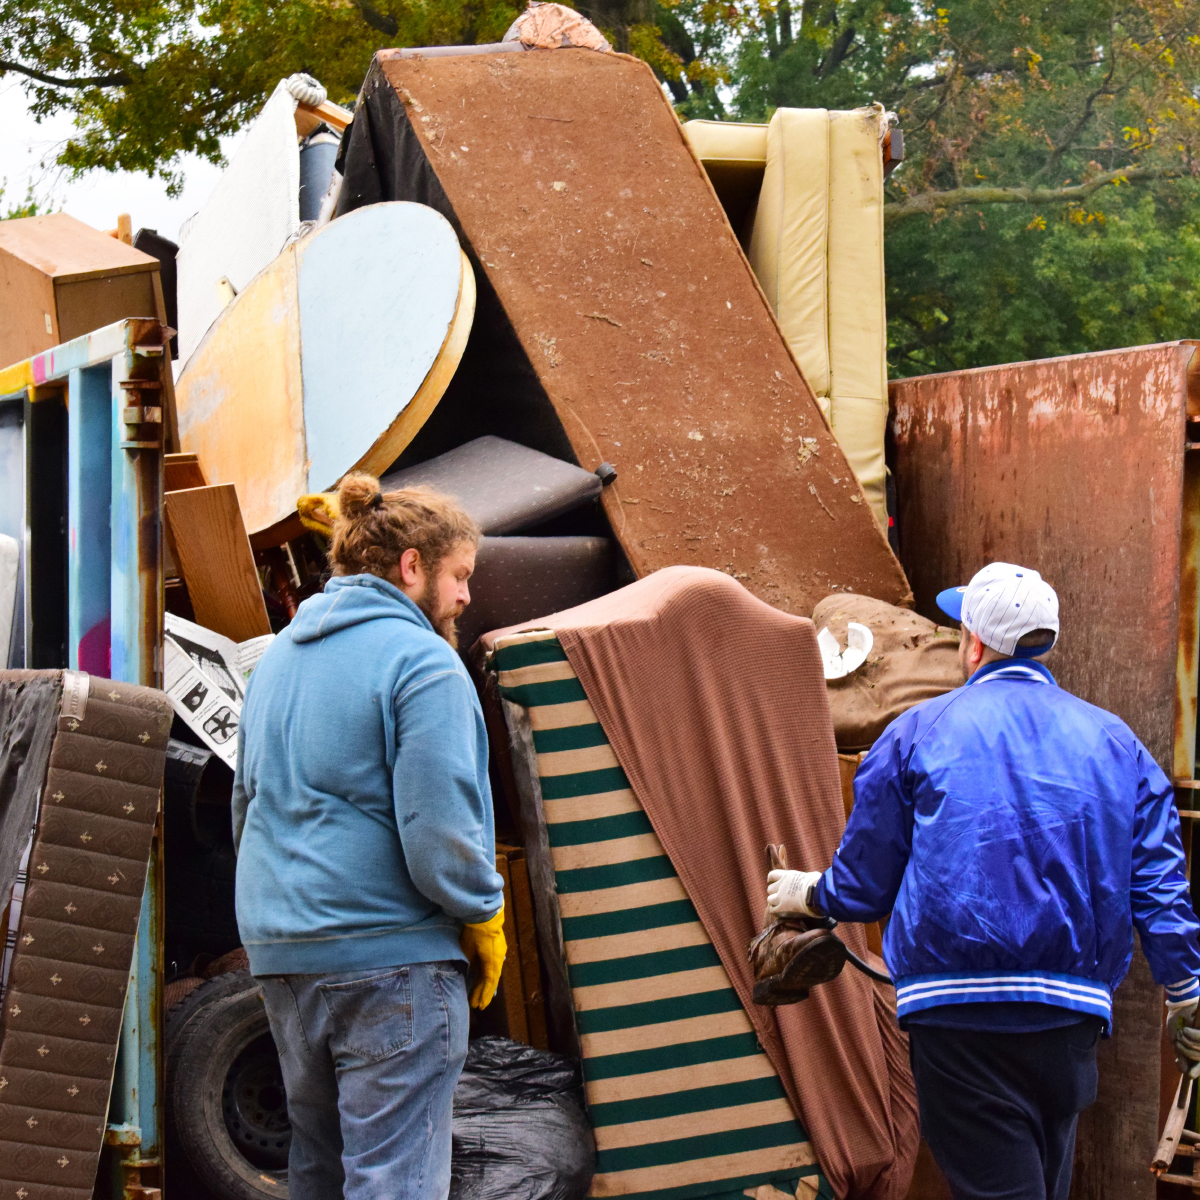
pixel 377 291
pixel 89 489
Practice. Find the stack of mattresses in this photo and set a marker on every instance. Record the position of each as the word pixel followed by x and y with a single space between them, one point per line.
pixel 618 320
pixel 87 868
pixel 683 1100
pixel 814 236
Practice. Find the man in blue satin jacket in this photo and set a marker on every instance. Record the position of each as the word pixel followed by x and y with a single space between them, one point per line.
pixel 1016 836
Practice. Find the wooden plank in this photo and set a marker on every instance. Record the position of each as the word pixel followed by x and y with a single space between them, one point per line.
pixel 510 993
pixel 210 547
pixel 181 471
pixel 531 967
pixel 309 116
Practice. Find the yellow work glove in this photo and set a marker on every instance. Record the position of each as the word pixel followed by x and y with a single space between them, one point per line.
pixel 486 943
pixel 318 511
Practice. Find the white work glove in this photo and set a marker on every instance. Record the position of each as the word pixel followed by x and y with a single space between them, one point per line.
pixel 789 893
pixel 1184 1036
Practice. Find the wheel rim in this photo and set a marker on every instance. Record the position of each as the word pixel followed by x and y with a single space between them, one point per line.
pixel 255 1107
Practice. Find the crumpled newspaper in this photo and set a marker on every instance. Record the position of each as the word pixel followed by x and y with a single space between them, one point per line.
pixel 548 26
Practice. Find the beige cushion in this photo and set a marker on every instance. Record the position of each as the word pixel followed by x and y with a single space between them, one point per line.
pixel 815 240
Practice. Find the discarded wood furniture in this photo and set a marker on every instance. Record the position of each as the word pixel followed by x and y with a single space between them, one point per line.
pixel 331 359
pixel 60 279
pixel 212 553
pixel 1084 468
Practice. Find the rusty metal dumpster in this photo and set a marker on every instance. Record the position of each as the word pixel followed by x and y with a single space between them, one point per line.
pixel 1084 467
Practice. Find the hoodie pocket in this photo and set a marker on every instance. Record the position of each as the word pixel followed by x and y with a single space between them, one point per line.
pixel 372 1017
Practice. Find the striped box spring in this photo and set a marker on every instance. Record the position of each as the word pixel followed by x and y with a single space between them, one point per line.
pixel 683 1101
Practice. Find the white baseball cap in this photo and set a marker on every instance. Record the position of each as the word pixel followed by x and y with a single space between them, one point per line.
pixel 1003 603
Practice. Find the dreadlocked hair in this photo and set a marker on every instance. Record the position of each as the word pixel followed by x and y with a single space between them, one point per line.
pixel 375 528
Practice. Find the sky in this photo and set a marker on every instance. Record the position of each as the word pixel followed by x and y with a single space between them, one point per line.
pixel 27 152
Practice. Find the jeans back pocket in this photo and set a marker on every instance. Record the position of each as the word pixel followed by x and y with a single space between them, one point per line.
pixel 372 1017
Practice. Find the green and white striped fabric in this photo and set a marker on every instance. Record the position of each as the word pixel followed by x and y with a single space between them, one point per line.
pixel 683 1100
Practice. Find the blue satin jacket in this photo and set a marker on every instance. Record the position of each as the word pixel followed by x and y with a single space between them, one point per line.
pixel 1016 835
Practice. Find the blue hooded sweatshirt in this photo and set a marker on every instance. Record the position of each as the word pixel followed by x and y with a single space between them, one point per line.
pixel 362 812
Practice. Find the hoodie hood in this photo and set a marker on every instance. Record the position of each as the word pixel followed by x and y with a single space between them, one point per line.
pixel 350 600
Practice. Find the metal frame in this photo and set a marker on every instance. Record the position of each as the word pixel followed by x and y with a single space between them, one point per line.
pixel 1084 467
pixel 111 382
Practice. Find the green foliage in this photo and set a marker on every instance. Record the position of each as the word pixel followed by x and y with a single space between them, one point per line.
pixel 1011 231
pixel 149 80
pixel 1049 201
pixel 29 207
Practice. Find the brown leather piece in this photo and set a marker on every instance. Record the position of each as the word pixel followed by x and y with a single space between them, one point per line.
pixel 49 1127
pixel 60 1166
pixel 911 660
pixel 46 1191
pixel 90 792
pixel 95 833
pixel 66 995
pixel 27 1013
pixel 77 943
pixel 87 871
pixel 44 1089
pixel 106 759
pixel 35 1051
pixel 89 908
pixel 36 976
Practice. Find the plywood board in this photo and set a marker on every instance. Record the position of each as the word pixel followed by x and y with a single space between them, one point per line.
pixel 331 359
pixel 182 471
pixel 27 301
pixel 212 552
pixel 581 202
pixel 67 249
pixel 252 212
pixel 87 304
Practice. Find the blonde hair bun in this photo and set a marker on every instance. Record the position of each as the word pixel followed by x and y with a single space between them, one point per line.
pixel 356 495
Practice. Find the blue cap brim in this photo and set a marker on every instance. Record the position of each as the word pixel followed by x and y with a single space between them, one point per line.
pixel 951 601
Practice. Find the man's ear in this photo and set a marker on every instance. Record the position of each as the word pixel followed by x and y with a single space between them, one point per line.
pixel 410 568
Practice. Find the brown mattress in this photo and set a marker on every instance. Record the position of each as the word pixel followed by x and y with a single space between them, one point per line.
pixel 613 291
pixel 66 991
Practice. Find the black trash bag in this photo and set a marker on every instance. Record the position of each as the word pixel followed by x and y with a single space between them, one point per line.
pixel 520 1131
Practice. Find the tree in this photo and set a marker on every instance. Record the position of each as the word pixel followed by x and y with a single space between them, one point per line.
pixel 148 80
pixel 1049 200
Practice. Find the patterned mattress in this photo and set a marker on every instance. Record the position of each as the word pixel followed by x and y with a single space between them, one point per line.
pixel 682 1099
pixel 66 991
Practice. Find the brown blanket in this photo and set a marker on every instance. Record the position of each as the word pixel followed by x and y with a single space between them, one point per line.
pixel 715 706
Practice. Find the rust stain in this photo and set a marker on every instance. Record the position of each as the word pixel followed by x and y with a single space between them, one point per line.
pixel 1074 466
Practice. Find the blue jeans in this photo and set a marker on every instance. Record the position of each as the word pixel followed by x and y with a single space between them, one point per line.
pixel 370 1061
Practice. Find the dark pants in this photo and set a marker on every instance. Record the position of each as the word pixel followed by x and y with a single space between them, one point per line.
pixel 999 1109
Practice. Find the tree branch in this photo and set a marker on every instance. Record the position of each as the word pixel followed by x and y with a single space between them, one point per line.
pixel 940 201
pixel 376 19
pixel 116 79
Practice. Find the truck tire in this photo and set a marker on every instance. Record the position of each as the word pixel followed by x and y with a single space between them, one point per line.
pixel 226 1113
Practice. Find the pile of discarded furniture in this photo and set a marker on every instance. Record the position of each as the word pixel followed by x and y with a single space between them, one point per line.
pixel 649 360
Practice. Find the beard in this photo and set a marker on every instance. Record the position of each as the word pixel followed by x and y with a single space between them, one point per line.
pixel 444 621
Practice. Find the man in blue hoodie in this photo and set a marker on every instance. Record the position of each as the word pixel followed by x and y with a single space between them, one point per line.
pixel 1016 836
pixel 366 873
